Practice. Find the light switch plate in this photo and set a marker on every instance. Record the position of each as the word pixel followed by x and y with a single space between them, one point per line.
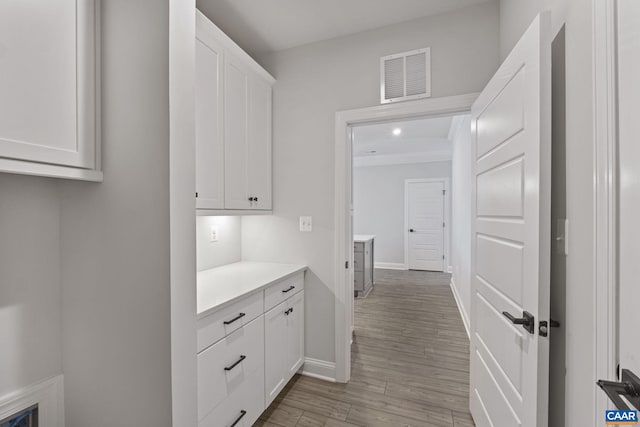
pixel 213 233
pixel 306 223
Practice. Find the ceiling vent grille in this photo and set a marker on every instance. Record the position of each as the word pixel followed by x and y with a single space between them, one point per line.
pixel 405 76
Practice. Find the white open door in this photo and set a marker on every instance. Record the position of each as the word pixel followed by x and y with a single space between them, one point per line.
pixel 425 222
pixel 511 128
pixel 629 157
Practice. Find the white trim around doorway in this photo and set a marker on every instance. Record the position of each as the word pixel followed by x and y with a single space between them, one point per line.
pixel 605 146
pixel 343 237
pixel 446 219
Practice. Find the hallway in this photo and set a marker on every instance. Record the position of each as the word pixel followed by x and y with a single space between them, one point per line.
pixel 410 363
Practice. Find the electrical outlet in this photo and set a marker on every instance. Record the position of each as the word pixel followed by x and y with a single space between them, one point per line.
pixel 306 223
pixel 213 233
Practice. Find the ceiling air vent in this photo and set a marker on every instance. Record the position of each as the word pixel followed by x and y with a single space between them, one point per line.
pixel 405 76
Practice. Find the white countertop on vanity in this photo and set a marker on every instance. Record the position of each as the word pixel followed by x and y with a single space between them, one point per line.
pixel 224 285
pixel 363 237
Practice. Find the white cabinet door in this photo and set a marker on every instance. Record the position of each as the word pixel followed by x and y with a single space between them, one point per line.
pixel 48 83
pixel 236 134
pixel 295 334
pixel 209 136
pixel 259 161
pixel 275 345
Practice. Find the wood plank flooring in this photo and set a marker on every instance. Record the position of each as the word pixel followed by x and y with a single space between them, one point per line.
pixel 410 363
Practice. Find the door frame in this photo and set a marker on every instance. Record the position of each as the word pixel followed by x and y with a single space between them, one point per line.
pixel 343 237
pixel 605 181
pixel 446 214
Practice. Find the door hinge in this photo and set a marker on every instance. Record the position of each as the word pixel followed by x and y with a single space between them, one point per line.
pixel 346 265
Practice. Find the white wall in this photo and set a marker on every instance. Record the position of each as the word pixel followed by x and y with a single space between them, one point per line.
pixel 115 237
pixel 515 15
pixel 228 248
pixel 314 82
pixel 30 318
pixel 378 201
pixel 461 214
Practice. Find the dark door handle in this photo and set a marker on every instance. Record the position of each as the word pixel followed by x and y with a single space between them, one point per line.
pixel 242 414
pixel 527 320
pixel 236 363
pixel 238 317
pixel 629 387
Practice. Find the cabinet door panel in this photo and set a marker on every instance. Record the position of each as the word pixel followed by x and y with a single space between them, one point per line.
pixel 275 344
pixel 236 134
pixel 48 84
pixel 295 334
pixel 259 160
pixel 209 136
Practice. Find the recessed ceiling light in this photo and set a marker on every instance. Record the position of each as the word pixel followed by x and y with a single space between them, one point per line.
pixel 397 131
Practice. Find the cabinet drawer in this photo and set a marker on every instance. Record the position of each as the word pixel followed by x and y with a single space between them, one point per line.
pixel 246 402
pixel 226 366
pixel 358 281
pixel 280 291
pixel 223 322
pixel 358 261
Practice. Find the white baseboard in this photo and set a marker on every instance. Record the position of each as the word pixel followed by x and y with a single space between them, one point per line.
pixel 48 395
pixel 320 369
pixel 463 314
pixel 391 265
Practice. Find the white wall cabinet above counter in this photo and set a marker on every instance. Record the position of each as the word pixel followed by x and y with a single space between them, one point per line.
pixel 233 125
pixel 49 90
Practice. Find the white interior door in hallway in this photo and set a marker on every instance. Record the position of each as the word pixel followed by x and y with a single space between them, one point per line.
pixel 629 204
pixel 510 237
pixel 425 224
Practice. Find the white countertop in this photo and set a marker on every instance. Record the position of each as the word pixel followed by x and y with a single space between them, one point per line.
pixel 363 237
pixel 224 285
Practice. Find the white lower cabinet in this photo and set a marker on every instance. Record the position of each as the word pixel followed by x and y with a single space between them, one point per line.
pixel 227 365
pixel 241 373
pixel 284 344
pixel 295 335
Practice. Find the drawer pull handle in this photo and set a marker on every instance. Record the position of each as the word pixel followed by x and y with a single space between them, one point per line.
pixel 238 317
pixel 242 414
pixel 289 311
pixel 288 290
pixel 228 368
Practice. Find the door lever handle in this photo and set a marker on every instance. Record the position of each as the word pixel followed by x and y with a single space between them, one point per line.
pixel 527 320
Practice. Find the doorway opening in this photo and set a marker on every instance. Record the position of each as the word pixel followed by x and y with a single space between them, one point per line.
pixel 389 252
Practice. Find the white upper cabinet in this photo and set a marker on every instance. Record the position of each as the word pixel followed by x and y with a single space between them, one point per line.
pixel 233 125
pixel 236 134
pixel 48 89
pixel 209 136
pixel 259 162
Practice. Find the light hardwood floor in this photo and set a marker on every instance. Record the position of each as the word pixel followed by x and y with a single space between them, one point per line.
pixel 410 363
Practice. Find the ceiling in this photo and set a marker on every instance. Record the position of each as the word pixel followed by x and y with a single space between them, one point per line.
pixel 419 137
pixel 260 26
